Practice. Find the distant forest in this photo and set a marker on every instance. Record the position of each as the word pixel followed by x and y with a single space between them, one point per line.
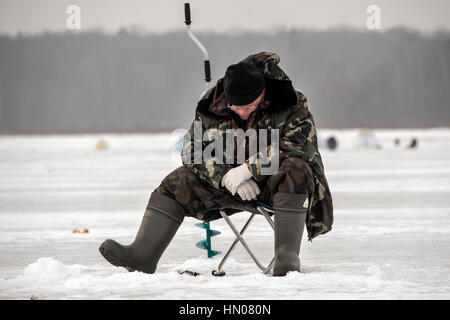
pixel 133 82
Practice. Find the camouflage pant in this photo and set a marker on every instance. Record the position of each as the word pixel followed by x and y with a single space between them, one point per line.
pixel 202 201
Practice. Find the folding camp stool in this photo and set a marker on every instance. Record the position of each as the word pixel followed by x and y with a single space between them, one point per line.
pixel 260 209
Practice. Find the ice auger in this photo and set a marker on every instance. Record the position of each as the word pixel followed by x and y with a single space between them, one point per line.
pixel 206 244
pixel 203 244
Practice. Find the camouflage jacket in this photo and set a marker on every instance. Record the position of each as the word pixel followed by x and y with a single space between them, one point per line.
pixel 284 109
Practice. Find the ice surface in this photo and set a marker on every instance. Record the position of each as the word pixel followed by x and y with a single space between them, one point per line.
pixel 390 237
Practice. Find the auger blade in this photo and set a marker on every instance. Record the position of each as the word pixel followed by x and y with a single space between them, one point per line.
pixel 213 253
pixel 202 244
pixel 206 244
pixel 214 233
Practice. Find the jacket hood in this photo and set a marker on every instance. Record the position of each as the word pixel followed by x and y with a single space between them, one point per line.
pixel 279 93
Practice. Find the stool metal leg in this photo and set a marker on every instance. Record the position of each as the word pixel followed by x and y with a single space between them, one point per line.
pixel 264 212
pixel 266 215
pixel 239 238
pixel 225 258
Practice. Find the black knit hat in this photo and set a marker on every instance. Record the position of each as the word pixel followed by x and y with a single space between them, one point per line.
pixel 243 83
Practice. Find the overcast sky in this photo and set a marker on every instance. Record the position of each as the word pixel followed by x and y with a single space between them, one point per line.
pixel 213 15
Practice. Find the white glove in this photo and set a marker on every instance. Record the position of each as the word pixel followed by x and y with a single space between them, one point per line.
pixel 234 177
pixel 248 190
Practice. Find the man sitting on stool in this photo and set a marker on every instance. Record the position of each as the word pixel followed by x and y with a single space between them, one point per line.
pixel 254 94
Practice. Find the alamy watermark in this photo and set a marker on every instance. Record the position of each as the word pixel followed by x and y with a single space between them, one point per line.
pixel 233 147
pixel 374 20
pixel 73 21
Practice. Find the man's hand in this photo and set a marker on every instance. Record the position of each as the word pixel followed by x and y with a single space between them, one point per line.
pixel 234 177
pixel 248 190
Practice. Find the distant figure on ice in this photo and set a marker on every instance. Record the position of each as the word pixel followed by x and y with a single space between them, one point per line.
pixel 413 143
pixel 221 169
pixel 332 143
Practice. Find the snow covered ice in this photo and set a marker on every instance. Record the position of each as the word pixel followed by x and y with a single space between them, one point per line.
pixel 390 239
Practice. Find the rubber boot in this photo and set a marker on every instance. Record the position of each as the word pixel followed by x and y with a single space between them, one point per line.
pixel 290 215
pixel 158 227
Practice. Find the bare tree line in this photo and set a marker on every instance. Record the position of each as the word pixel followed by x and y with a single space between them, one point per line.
pixel 130 82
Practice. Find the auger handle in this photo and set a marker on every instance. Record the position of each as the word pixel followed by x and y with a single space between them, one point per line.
pixel 187 13
pixel 207 63
pixel 207 71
